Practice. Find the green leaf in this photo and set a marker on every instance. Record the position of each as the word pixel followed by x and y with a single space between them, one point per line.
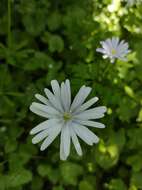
pixel 39 61
pixel 70 172
pixel 85 185
pixel 116 184
pixel 136 179
pixel 48 172
pixel 2 182
pixel 107 153
pixel 129 91
pixel 56 43
pixel 54 21
pixel 19 177
pixel 139 118
pixel 10 146
pixel 135 162
pixel 37 183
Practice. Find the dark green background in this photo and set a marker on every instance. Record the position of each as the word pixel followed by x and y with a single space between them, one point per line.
pixel 43 40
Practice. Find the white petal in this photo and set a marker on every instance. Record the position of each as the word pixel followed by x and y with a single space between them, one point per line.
pixel 42 99
pixel 65 136
pixel 53 100
pixel 38 111
pixel 122 48
pixel 52 135
pixel 85 134
pixel 44 125
pixel 76 142
pixel 68 92
pixel 105 46
pixel 87 104
pixel 64 97
pixel 48 109
pixel 115 41
pixel 80 97
pixel 101 50
pixel 108 44
pixel 94 113
pixel 40 136
pixel 62 153
pixel 91 123
pixel 55 87
pixel 105 56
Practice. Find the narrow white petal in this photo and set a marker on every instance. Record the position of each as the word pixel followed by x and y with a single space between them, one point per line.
pixel 40 136
pixel 93 113
pixel 115 41
pixel 64 97
pixel 76 142
pixel 42 99
pixel 52 135
pixel 123 48
pixel 55 87
pixel 68 92
pixel 91 123
pixel 48 109
pixel 39 112
pixel 53 99
pixel 85 134
pixel 80 97
pixel 109 43
pixel 62 153
pixel 101 50
pixel 44 125
pixel 65 133
pixel 87 104
pixel 105 46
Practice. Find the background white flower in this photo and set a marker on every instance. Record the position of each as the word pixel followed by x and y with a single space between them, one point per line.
pixel 66 118
pixel 114 48
pixel 132 2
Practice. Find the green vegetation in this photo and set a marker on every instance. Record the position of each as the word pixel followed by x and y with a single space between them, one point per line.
pixel 41 40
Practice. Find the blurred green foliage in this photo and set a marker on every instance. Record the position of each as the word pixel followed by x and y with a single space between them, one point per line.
pixel 41 40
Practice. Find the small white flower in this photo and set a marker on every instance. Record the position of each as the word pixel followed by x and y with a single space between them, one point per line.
pixel 66 118
pixel 113 48
pixel 132 2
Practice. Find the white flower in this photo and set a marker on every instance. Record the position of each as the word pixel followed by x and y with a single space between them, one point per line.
pixel 132 2
pixel 66 118
pixel 114 48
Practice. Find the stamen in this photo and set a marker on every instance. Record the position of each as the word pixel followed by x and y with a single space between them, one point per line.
pixel 67 116
pixel 113 51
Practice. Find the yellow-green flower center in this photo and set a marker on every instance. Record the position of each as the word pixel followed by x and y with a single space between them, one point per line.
pixel 113 51
pixel 67 116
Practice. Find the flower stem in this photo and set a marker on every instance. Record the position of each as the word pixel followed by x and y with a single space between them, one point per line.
pixel 106 69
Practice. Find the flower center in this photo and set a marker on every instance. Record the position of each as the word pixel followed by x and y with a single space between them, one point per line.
pixel 113 51
pixel 67 116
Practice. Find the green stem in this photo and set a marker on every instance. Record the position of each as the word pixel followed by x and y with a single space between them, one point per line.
pixel 106 69
pixel 9 23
